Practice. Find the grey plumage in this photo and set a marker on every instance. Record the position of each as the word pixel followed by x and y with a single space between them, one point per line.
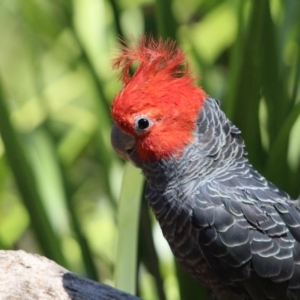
pixel 235 232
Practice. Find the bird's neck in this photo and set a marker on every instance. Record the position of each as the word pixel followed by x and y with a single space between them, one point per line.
pixel 216 148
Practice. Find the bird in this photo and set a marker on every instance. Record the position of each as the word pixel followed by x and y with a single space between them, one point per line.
pixel 228 227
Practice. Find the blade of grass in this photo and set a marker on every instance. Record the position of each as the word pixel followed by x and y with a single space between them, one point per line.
pixel 189 287
pixel 235 62
pixel 273 86
pixel 297 79
pixel 296 83
pixel 245 88
pixel 53 183
pixel 128 223
pixel 116 12
pixel 24 178
pixel 277 169
pixel 147 249
pixel 166 24
pixel 69 190
pixel 83 243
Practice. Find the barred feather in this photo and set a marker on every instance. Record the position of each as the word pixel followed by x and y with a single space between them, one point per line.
pixel 235 232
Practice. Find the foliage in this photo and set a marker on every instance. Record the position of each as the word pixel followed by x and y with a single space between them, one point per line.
pixel 61 183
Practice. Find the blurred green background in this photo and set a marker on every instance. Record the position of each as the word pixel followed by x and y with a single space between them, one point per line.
pixel 63 192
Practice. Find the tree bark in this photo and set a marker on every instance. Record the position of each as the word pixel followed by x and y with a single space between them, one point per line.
pixel 30 276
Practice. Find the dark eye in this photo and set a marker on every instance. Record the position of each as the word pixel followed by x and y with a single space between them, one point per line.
pixel 143 123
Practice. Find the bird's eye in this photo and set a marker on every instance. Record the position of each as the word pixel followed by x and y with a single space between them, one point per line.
pixel 143 123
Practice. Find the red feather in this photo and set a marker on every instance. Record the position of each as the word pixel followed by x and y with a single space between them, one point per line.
pixel 161 88
pixel 154 56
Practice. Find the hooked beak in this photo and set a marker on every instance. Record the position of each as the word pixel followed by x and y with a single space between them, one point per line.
pixel 122 143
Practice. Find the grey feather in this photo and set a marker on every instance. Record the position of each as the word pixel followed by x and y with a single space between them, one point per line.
pixel 231 229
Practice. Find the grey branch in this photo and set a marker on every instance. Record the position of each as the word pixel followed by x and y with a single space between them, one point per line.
pixel 30 276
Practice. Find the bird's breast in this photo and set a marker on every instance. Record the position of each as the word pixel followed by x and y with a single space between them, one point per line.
pixel 175 219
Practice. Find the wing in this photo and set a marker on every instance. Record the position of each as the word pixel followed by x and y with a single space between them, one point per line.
pixel 249 232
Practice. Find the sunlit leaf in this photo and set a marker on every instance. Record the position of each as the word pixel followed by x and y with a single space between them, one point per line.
pixel 128 223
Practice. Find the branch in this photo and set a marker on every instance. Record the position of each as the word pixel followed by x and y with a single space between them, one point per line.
pixel 30 276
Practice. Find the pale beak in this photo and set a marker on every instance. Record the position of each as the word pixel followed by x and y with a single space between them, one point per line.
pixel 122 143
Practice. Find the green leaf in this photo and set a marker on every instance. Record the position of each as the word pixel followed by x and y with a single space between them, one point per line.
pixel 273 85
pixel 165 20
pixel 244 89
pixel 128 222
pixel 147 251
pixel 189 287
pixel 27 186
pixel 277 169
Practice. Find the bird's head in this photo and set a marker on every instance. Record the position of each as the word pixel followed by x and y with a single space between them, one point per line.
pixel 156 111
